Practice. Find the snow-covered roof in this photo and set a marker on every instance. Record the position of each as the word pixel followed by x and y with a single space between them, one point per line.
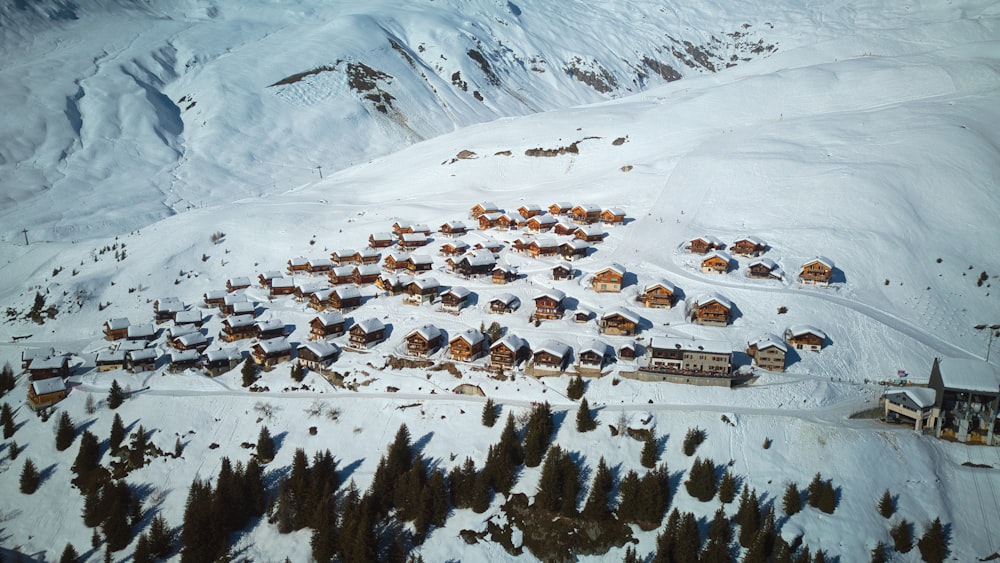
pixel 590 230
pixel 555 294
pixel 514 217
pixel 321 348
pixel 471 336
pixel 274 345
pixel 454 225
pixel 271 275
pixel 487 205
pixel 752 240
pixel 367 253
pixel 589 207
pixel 770 264
pixel 456 244
pixel 616 268
pixel 144 330
pixel 347 292
pixel 270 324
pixel 49 385
pixel 183 317
pixel 278 283
pixel 821 259
pixel 530 207
pixel 242 308
pixel 709 239
pixel 545 219
pixel 563 204
pixel 298 261
pixel 169 305
pixel 427 332
pixel 505 268
pixel 54 362
pixel 330 318
pixel 109 356
pixel 129 345
pixel 923 397
pixel 553 347
pixel 458 291
pixel 191 339
pixel 617 211
pixel 381 236
pixel 662 283
pixel 720 254
pixel 367 269
pixel 117 324
pixel 801 330
pixel 343 271
pixel 216 294
pixel 239 280
pixel 343 253
pixel 596 346
pixel 691 345
pixel 576 244
pixel 414 237
pixel 225 354
pixel 511 341
pixel 770 341
pixel 320 262
pixel 238 321
pixel 491 216
pixel 969 375
pixel 37 353
pixel 707 298
pixel 233 298
pixel 563 264
pixel 545 242
pixel 145 354
pixel 425 283
pixel 370 325
pixel 481 258
pixel 184 356
pixel 420 259
pixel 506 298
pixel 628 315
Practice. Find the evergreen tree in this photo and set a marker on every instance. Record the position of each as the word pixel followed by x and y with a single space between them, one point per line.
pixel 878 554
pixel 596 506
pixel 820 556
pixel 933 545
pixel 665 541
pixel 803 556
pixel 89 454
pixel 490 415
pixel 298 373
pixel 701 483
pixel 200 540
pixel 791 503
pixel 727 487
pixel 69 554
pixel 885 505
pixel 748 517
pixel 95 540
pixel 584 418
pixel 693 439
pixel 117 434
pixel 575 388
pixel 93 507
pixel 7 419
pixel 324 536
pixel 548 494
pixel 538 434
pixel 630 555
pixel 717 545
pixel 654 497
pixel 480 500
pixel 142 553
pixel 13 450
pixel 137 452
pixel 902 536
pixel 265 445
pixel 7 380
pixel 461 481
pixel 178 447
pixel 30 478
pixel 115 526
pixel 815 491
pixel 65 432
pixel 116 396
pixel 249 372
pixel 437 493
pixel 687 541
pixel 628 498
pixel 649 452
pixel 160 537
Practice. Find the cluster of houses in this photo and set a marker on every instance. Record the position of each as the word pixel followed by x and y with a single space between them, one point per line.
pixel 717 260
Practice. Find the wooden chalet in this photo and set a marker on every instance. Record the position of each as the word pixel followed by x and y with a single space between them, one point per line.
pixel 282 286
pixel 409 241
pixel 805 337
pixel 613 216
pixel 768 353
pixel 488 220
pixel 344 299
pixel 552 355
pixel 271 352
pixel 318 355
pixel 367 333
pixel 341 275
pixel 711 310
pixel 583 315
pixel 504 303
pixel 423 341
pixel 595 355
pixel 817 271
pixel 589 233
pixel 454 248
pixel 271 328
pixel 366 256
pixel 687 356
pixel 400 228
pixel 609 280
pixel 393 284
pixel 237 283
pixel 483 208
pixel 29 355
pixel 422 290
pixel 46 392
pixel 705 244
pixel 178 331
pixel 365 274
pixel 529 210
pixel 562 271
pixel 543 247
pixel 319 265
pixel 215 298
pixel 44 368
pixel 325 325
pixel 190 341
pixel 230 301
pixel 478 264
pixel 381 240
pixel 560 208
pixel 420 263
pixel 573 249
pixel 520 244
pixel 751 247
pixel 181 360
pixel 717 262
pixel 508 352
pixel 509 221
pixel 455 299
pixel 619 322
pixel 109 360
pixel 238 327
pixel 320 300
pixel 629 351
pixel 344 257
pixel 116 329
pixel 138 361
pixel 304 292
pixel 453 229
pixel 503 273
pixel 562 228
pixel 192 318
pixel 165 309
pixel 467 346
pixel 549 305
pixel 764 268
pixel 541 223
pixel 659 295
pixel 298 265
pixel 586 214
pixel 396 261
pixel 492 245
pixel 143 331
pixel 221 361
pixel 264 279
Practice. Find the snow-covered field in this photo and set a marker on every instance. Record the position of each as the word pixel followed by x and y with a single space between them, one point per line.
pixel 869 136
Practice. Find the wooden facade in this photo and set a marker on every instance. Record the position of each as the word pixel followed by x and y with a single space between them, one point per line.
pixel 690 357
pixel 817 271
pixel 281 286
pixel 453 229
pixel 467 346
pixel 345 299
pixel 488 221
pixel 717 262
pixel 504 274
pixel 619 322
pixel 551 355
pixel 409 241
pixel 477 264
pixel 271 352
pixel 804 337
pixel 508 352
pixel 763 268
pixel 504 303
pixel 484 208
pixel 455 298
pixel 271 328
pixel 45 393
pixel 541 223
pixel 659 295
pixel 529 210
pixel 365 274
pixel 298 265
pixel 341 275
pixel 562 271
pixel 609 280
pixel 237 283
pixel 549 305
pixel 454 248
pixel 560 208
pixel 592 234
pixel 318 355
pixel 423 341
pixel 214 299
pixel 768 353
pixel 751 247
pixel 543 247
pixel 326 325
pixel 367 333
pixel 381 240
pixel 116 329
pixel 218 362
pixel 237 327
pixel 586 214
pixel 613 216
pixel 573 249
pixel 711 310
pixel 704 244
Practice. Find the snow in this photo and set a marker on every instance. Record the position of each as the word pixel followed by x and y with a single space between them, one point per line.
pixel 50 385
pixel 969 375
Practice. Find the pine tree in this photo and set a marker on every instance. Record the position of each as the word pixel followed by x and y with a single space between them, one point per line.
pixel 490 415
pixel 701 483
pixel 748 517
pixel 116 396
pixel 720 534
pixel 727 487
pixel 65 432
pixel 820 556
pixel 693 439
pixel 902 536
pixel 249 371
pixel 878 554
pixel 142 553
pixel 115 526
pixel 933 544
pixel 803 556
pixel 161 538
pixel 324 536
pixel 200 539
pixel 117 434
pixel 885 505
pixel 7 380
pixel 628 498
pixel 538 434
pixel 265 445
pixel 687 541
pixel 665 541
pixel 584 418
pixel 828 497
pixel 69 554
pixel 7 419
pixel 654 497
pixel 95 540
pixel 791 503
pixel 480 500
pixel 298 373
pixel 650 452
pixel 89 454
pixel 575 388
pixel 13 450
pixel 93 507
pixel 30 478
pixel 437 491
pixel 815 491
pixel 137 451
pixel 596 506
pixel 630 555
pixel 178 447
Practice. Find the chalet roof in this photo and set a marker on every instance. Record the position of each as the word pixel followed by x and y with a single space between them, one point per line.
pixel 53 362
pixel 576 244
pixel 117 324
pixel 321 348
pixel 46 386
pixel 709 239
pixel 396 279
pixel 369 325
pixel 553 347
pixel 278 283
pixel 216 294
pixel 322 294
pixel 707 298
pixel 720 254
pixel 271 274
pixel 966 375
pixel 238 321
pixel 243 308
pixel 427 332
pixel 563 205
pixel 343 271
pixel 330 319
pixel 456 244
pixel 274 345
pixel 454 225
pixel 589 230
pixel 616 268
pixel 239 280
pixel 563 264
pixel 413 237
pixel 169 305
pixel 458 291
pixel 381 236
pixel 129 345
pixel 141 331
pixel 233 298
pixel 767 262
pixel 624 313
pixel 298 261
pixel 310 288
pixel 770 341
pixel 109 356
pixel 191 339
pixel 820 259
pixel 488 205
pixel 507 299
pixel 425 283
pixel 511 342
pixel 802 330
pixel 491 216
pixel 505 268
pixel 347 292
pixel 618 212
pixel 225 354
pixel 145 354
pixel 589 207
pixel 471 337
pixel 662 283
pixel 398 256
pixel 37 353
pixel 367 253
pixel 343 253
pixel 543 219
pixel 367 269
pixel 319 262
pixel 691 345
pixel 514 217
pixel 178 356
pixel 555 294
pixel 479 259
pixel 420 259
pixel 923 397
pixel 544 242
pixel 270 324
pixel 598 347
pixel 752 240
pixel 530 207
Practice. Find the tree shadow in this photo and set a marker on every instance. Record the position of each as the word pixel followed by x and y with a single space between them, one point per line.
pixel 274 475
pixel 279 440
pixel 674 483
pixel 661 444
pixel 421 443
pixel 558 418
pixel 584 476
pixel 83 427
pixel 45 474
